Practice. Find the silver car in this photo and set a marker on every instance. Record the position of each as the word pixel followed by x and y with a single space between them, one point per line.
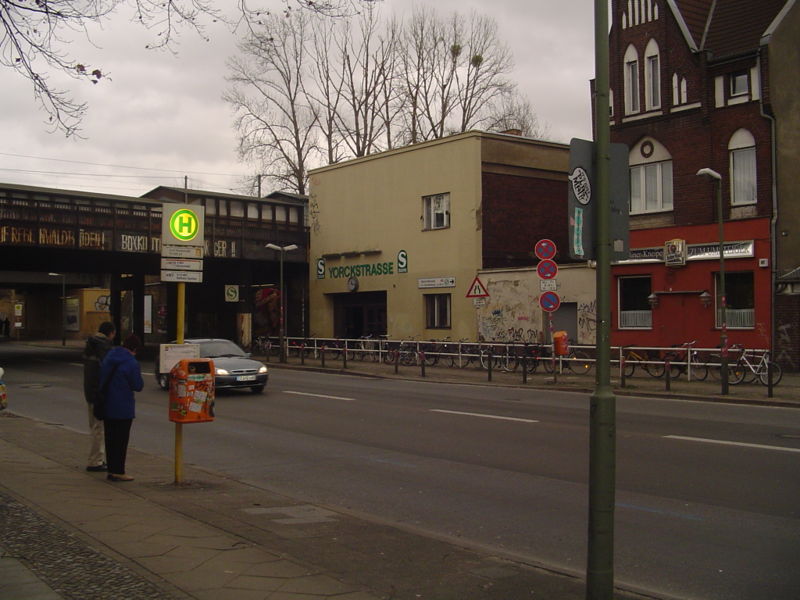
pixel 234 367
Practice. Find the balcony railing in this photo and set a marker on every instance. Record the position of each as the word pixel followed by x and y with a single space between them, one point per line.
pixel 635 319
pixel 737 318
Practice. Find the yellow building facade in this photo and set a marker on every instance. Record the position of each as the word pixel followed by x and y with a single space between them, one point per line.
pixel 397 239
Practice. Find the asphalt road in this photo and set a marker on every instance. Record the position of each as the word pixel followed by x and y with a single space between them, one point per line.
pixel 707 494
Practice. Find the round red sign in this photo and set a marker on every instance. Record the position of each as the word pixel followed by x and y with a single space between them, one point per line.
pixel 545 249
pixel 547 269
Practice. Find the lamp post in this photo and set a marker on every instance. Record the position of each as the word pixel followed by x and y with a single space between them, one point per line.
pixel 63 306
pixel 722 299
pixel 282 324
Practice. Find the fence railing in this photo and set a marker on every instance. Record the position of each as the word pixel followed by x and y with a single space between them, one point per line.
pixel 682 361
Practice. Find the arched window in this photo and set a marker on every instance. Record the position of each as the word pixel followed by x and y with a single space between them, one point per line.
pixel 631 80
pixel 651 177
pixel 742 150
pixel 652 76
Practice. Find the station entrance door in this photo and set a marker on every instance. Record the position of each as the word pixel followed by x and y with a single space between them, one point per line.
pixel 360 314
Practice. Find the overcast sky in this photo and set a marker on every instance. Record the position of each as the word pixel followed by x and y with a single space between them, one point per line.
pixel 161 116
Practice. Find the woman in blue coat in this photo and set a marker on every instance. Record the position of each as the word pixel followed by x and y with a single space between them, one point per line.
pixel 121 372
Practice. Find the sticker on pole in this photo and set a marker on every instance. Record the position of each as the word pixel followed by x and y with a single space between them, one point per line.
pixel 477 289
pixel 549 301
pixel 545 249
pixel 547 269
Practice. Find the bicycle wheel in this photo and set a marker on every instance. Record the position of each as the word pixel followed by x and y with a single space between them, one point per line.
pixel 777 373
pixel 655 369
pixel 699 371
pixel 580 363
pixel 630 367
pixel 736 373
pixel 549 364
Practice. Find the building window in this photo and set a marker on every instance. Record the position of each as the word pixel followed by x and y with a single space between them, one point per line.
pixel 742 149
pixel 739 300
pixel 437 311
pixel 631 81
pixel 651 187
pixel 634 304
pixel 652 77
pixel 436 211
pixel 740 83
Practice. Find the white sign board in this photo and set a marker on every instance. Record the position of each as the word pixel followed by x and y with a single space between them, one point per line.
pixel 181 264
pixel 175 251
pixel 436 282
pixel 170 354
pixel 182 276
pixel 548 285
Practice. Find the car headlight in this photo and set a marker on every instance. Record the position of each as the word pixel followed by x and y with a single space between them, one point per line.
pixel 263 369
pixel 222 371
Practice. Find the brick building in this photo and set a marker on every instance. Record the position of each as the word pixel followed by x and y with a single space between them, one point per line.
pixel 703 84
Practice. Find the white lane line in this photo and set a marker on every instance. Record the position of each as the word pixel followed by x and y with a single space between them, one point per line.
pixel 728 443
pixel 319 396
pixel 481 415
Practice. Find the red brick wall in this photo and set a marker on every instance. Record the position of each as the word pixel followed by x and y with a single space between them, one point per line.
pixel 517 212
pixel 787 332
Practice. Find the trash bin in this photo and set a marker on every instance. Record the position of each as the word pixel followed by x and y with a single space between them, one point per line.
pixel 561 343
pixel 191 391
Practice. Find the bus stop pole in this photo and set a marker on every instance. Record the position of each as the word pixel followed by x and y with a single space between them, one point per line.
pixel 180 312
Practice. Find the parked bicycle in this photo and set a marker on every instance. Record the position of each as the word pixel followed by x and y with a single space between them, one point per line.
pixel 641 358
pixel 685 359
pixel 748 368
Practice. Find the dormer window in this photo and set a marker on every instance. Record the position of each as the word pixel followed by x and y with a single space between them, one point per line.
pixel 740 83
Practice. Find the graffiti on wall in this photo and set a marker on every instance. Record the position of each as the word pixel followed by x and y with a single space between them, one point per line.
pixel 510 315
pixel 783 346
pixel 587 322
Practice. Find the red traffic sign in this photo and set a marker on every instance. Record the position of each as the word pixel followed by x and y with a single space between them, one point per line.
pixel 477 289
pixel 549 301
pixel 547 269
pixel 545 249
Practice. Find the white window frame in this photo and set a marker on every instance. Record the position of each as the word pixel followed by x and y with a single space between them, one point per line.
pixel 436 211
pixel 742 76
pixel 652 76
pixel 744 171
pixel 633 319
pixel 641 180
pixel 438 311
pixel 631 81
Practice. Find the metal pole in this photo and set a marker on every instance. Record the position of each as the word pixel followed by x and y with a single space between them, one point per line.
pixel 281 331
pixel 723 300
pixel 180 312
pixel 63 309
pixel 602 432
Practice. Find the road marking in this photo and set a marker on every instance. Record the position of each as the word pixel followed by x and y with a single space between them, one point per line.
pixel 483 416
pixel 319 396
pixel 728 443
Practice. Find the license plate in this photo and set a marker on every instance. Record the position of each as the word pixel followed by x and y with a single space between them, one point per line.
pixel 246 378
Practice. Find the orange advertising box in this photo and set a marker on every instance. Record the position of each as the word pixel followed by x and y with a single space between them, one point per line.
pixel 191 391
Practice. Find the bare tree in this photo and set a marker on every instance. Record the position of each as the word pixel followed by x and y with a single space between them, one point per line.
pixel 33 37
pixel 514 112
pixel 275 123
pixel 452 71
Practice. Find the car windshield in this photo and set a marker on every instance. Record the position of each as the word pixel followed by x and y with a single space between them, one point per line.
pixel 220 348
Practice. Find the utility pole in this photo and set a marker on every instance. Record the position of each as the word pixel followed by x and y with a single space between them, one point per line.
pixel 602 433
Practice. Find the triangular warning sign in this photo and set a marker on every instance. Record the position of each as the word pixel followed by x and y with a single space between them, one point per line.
pixel 477 289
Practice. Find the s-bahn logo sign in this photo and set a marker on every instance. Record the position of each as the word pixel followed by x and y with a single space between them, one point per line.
pixel 182 225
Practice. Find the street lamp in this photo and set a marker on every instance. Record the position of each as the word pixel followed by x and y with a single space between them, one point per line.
pixel 722 300
pixel 63 306
pixel 282 324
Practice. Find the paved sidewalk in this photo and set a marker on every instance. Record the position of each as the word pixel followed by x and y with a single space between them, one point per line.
pixel 71 534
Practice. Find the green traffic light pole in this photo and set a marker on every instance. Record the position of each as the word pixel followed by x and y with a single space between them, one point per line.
pixel 602 432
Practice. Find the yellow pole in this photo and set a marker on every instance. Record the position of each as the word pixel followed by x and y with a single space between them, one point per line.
pixel 179 426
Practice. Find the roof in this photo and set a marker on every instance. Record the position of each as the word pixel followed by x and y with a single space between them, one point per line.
pixel 30 189
pixel 728 28
pixel 273 197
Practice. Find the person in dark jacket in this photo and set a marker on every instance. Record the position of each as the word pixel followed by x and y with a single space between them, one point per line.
pixel 96 348
pixel 124 376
